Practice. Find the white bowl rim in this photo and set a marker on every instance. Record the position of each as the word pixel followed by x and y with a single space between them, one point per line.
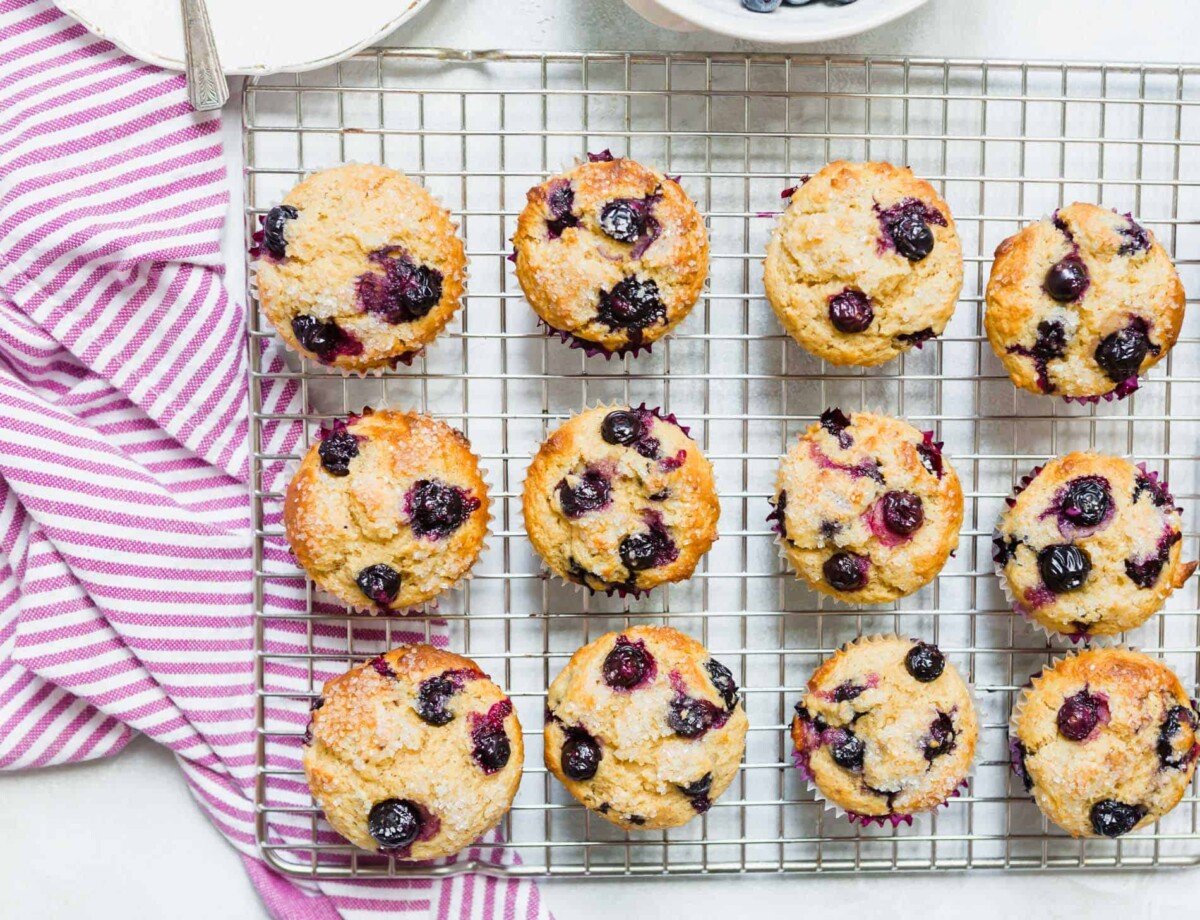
pixel 737 25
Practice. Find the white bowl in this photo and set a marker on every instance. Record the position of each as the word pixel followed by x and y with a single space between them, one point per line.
pixel 788 25
pixel 253 36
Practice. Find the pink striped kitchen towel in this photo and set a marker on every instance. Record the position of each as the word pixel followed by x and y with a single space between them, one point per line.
pixel 125 561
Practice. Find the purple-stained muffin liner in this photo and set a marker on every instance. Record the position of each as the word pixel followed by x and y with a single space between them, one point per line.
pixel 1119 392
pixel 592 349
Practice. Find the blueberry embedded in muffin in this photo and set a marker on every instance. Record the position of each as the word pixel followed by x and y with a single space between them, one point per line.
pixel 645 728
pixel 887 728
pixel 620 499
pixel 864 264
pixel 387 510
pixel 1090 545
pixel 1081 303
pixel 414 754
pixel 1105 740
pixel 866 507
pixel 611 255
pixel 359 268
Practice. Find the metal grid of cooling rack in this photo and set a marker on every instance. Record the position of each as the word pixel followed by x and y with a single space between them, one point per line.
pixel 1004 141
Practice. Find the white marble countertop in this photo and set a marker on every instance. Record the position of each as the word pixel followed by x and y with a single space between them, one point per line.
pixel 123 838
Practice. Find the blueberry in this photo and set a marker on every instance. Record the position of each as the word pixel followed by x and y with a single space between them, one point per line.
pixel 1172 725
pixel 628 664
pixel 848 690
pixel 379 582
pixel 912 236
pixel 942 737
pixel 723 682
pixel 1111 818
pixel 631 304
pixel 621 427
pixel 925 662
pixel 1086 501
pixel 836 422
pixel 647 550
pixel 845 571
pixel 1050 345
pixel 848 750
pixel 590 492
pixel 850 311
pixel 432 696
pixel 690 717
pixel 1120 354
pixel 580 756
pixel 324 338
pixel 337 449
pixel 492 750
pixel 1064 567
pixel 436 509
pixel 623 219
pixel 403 292
pixel 394 823
pixel 903 512
pixel 761 6
pixel 490 745
pixel 1079 715
pixel 702 786
pixel 1136 239
pixel 274 223
pixel 1067 279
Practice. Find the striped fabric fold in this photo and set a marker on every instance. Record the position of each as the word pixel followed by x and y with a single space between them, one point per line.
pixel 125 540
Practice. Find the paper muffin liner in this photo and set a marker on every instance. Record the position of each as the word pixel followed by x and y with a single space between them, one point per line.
pixel 935 464
pixel 258 257
pixel 622 591
pixel 1018 606
pixel 427 608
pixel 894 819
pixel 1123 389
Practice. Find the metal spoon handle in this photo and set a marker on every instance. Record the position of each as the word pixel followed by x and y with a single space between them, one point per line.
pixel 206 84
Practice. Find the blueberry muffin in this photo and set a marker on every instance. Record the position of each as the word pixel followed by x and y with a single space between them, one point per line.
pixel 1090 545
pixel 644 728
pixel 359 267
pixel 611 255
pixel 1082 302
pixel 866 507
pixel 621 499
pixel 886 729
pixel 1105 740
pixel 387 510
pixel 864 263
pixel 413 754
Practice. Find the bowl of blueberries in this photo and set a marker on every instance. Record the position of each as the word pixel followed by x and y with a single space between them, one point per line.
pixel 775 21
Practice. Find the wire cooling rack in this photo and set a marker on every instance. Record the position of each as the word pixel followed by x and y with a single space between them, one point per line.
pixel 1005 142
